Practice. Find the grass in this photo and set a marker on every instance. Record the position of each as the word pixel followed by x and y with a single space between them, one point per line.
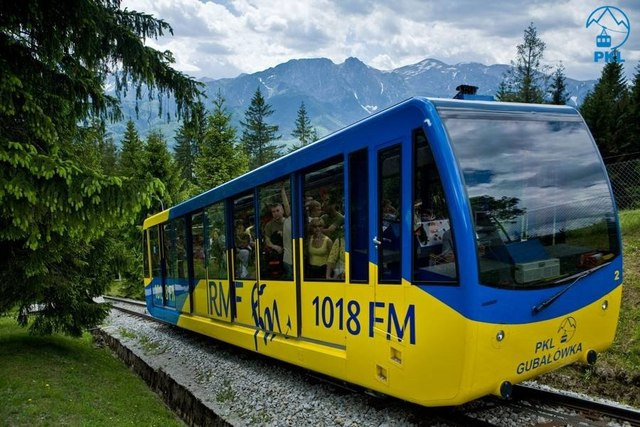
pixel 57 380
pixel 617 372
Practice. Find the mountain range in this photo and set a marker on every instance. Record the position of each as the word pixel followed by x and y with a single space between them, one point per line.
pixel 335 95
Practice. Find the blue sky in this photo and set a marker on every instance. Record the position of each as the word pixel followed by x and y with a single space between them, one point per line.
pixel 224 38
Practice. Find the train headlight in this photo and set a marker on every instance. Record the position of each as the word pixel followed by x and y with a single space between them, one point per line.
pixel 605 304
pixel 500 336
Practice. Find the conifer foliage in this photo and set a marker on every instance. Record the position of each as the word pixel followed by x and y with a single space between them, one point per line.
pixel 219 159
pixel 53 204
pixel 258 137
pixel 304 131
pixel 526 79
pixel 606 110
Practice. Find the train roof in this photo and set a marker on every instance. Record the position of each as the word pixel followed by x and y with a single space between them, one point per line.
pixel 324 148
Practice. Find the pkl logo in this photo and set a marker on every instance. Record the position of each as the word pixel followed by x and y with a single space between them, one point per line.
pixel 611 28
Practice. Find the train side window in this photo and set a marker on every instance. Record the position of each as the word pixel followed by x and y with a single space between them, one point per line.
pixel 176 249
pixel 359 217
pixel 433 249
pixel 145 251
pixel 276 255
pixel 389 222
pixel 324 223
pixel 154 240
pixel 199 249
pixel 244 238
pixel 215 241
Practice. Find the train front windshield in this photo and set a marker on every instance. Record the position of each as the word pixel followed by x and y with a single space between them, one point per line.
pixel 539 197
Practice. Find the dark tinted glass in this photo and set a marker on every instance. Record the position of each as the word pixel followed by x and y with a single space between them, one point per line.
pixel 433 250
pixel 154 240
pixel 215 257
pixel 244 237
pixel 324 223
pixel 389 224
pixel 145 251
pixel 359 216
pixel 539 197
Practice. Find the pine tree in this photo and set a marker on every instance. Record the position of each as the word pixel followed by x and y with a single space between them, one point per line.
pixel 527 76
pixel 161 165
pixel 54 207
pixel 219 159
pixel 188 140
pixel 504 92
pixel 258 137
pixel 559 87
pixel 606 110
pixel 304 131
pixel 132 156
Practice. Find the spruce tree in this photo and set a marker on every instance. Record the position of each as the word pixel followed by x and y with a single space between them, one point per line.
pixel 559 87
pixel 219 159
pixel 304 131
pixel 527 76
pixel 258 137
pixel 132 155
pixel 53 206
pixel 160 165
pixel 188 140
pixel 606 110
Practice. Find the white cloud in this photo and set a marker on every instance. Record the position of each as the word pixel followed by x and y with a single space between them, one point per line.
pixel 226 37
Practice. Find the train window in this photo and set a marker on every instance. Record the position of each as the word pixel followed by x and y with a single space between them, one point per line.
pixel 276 256
pixel 433 250
pixel 359 216
pixel 244 237
pixel 215 241
pixel 154 240
pixel 145 251
pixel 176 249
pixel 324 223
pixel 389 224
pixel 197 236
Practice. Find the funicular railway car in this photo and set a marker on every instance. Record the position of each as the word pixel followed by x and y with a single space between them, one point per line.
pixel 437 251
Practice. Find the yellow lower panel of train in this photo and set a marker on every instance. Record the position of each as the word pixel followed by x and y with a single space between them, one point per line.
pixel 399 340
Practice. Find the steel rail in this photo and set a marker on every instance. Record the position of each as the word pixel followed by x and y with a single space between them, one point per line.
pixel 588 408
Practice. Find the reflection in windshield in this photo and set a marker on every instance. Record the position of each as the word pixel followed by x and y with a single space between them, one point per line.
pixel 539 197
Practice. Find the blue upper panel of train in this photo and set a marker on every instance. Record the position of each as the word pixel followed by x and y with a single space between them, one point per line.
pixel 526 211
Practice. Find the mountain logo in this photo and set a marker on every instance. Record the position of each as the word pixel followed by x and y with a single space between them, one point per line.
pixel 567 329
pixel 611 28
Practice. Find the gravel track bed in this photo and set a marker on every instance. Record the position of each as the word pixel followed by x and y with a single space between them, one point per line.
pixel 245 388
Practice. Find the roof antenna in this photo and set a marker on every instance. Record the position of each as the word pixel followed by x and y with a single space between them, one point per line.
pixel 469 92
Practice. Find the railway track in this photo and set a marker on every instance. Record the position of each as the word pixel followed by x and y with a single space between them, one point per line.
pixel 529 406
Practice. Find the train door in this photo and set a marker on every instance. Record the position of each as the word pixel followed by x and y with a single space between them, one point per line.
pixel 274 295
pixel 157 265
pixel 220 295
pixel 390 320
pixel 212 292
pixel 322 246
pixel 176 293
pixel 244 260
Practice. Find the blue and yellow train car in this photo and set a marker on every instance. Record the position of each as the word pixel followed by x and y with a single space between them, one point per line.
pixel 437 251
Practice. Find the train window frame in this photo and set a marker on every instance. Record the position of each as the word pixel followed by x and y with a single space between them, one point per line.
pixel 304 223
pixel 197 260
pixel 352 230
pixel 173 239
pixel 258 202
pixel 414 195
pixel 208 243
pixel 250 193
pixel 146 266
pixel 379 223
pixel 155 230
